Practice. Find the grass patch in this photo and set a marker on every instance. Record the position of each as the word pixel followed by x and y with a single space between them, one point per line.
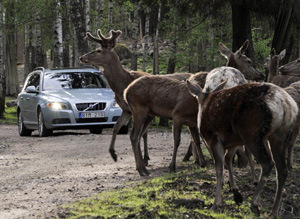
pixel 10 113
pixel 186 194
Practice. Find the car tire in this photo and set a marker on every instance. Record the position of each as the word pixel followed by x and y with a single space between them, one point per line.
pixel 43 131
pixel 23 131
pixel 97 131
pixel 123 130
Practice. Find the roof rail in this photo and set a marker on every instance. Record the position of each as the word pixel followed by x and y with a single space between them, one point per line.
pixel 39 68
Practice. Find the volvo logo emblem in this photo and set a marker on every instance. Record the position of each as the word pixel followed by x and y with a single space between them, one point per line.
pixel 91 106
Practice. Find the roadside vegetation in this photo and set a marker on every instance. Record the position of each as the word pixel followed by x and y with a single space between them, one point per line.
pixel 189 193
pixel 10 113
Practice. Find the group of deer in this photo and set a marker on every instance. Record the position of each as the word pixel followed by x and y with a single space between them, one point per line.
pixel 261 116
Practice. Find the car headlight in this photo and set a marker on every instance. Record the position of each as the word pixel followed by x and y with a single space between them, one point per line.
pixel 57 106
pixel 114 104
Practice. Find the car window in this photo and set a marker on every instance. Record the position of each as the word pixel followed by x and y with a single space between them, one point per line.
pixel 33 80
pixel 74 80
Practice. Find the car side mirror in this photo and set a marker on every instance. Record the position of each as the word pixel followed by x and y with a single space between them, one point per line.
pixel 31 89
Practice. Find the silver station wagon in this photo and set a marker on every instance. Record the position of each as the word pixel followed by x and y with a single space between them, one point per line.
pixel 73 98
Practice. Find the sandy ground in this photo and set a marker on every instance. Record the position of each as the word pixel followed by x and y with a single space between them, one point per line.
pixel 39 174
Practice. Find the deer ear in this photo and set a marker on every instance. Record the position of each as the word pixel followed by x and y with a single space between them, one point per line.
pixel 220 86
pixel 224 50
pixel 244 47
pixel 282 54
pixel 194 89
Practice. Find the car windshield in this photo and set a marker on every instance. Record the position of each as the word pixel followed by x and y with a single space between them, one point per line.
pixel 73 80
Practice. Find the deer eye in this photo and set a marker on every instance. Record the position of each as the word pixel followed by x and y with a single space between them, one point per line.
pixel 98 51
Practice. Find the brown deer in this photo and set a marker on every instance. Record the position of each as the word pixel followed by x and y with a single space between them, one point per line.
pixel 240 61
pixel 291 68
pixel 275 75
pixel 291 85
pixel 151 96
pixel 261 119
pixel 118 79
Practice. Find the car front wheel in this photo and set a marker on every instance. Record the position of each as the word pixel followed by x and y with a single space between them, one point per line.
pixel 23 131
pixel 43 131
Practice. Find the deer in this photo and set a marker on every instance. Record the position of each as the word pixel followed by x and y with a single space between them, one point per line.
pixel 291 85
pixel 291 68
pixel 262 119
pixel 151 96
pixel 276 75
pixel 240 61
pixel 118 79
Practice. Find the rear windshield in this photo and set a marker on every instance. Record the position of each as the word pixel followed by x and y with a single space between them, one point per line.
pixel 73 80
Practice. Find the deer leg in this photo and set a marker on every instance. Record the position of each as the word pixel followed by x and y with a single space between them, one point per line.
pixel 135 136
pixel 251 163
pixel 261 153
pixel 125 116
pixel 217 150
pixel 238 198
pixel 189 153
pixel 196 138
pixel 291 142
pixel 145 134
pixel 176 136
pixel 278 153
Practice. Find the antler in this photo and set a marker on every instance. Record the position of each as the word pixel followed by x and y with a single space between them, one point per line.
pixel 109 42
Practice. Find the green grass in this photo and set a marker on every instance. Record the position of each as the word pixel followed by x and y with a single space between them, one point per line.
pixel 186 194
pixel 10 114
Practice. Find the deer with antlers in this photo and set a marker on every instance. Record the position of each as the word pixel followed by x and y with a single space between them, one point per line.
pixel 118 79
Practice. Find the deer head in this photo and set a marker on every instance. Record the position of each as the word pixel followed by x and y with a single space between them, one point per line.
pixel 272 63
pixel 292 68
pixel 103 55
pixel 240 61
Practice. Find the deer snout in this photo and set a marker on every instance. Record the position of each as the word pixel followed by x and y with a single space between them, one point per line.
pixel 82 59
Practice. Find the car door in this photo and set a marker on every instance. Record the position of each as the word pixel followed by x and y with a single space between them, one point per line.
pixel 28 100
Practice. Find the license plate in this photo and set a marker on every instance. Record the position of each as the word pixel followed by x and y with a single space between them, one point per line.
pixel 92 115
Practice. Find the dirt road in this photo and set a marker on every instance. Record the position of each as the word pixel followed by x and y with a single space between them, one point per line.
pixel 39 174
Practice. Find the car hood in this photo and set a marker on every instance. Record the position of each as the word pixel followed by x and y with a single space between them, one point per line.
pixel 81 95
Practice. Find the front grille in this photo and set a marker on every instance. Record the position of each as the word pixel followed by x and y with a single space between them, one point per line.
pixel 91 120
pixel 115 118
pixel 90 106
pixel 61 121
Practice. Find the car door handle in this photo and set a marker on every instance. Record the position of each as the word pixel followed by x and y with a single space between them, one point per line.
pixel 27 98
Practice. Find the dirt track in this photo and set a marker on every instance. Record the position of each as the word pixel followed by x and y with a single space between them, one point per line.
pixel 38 174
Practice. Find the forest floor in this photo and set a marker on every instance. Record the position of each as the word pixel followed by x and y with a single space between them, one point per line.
pixel 38 175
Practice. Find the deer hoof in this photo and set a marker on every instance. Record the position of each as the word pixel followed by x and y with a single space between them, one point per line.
pixel 217 208
pixel 113 154
pixel 255 210
pixel 146 161
pixel 238 198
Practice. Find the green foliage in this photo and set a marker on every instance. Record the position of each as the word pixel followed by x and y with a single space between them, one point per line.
pixel 10 114
pixel 261 45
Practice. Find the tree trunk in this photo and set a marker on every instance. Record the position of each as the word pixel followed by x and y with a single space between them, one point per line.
pixel 101 9
pixel 155 45
pixel 58 47
pixel 77 15
pixel 146 39
pixel 27 48
pixel 12 81
pixel 110 14
pixel 241 27
pixel 66 33
pixel 283 35
pixel 2 73
pixel 172 58
pixel 135 33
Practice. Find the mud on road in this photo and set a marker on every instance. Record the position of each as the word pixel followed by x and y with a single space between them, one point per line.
pixel 39 174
